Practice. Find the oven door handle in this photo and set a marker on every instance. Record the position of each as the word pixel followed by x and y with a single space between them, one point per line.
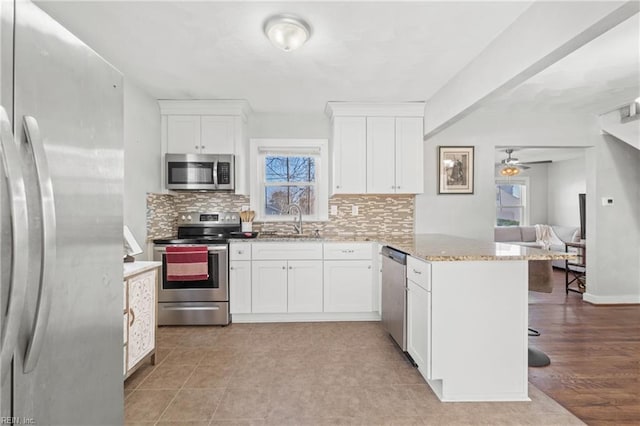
pixel 189 308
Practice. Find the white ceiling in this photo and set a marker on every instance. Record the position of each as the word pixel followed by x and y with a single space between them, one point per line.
pixel 359 51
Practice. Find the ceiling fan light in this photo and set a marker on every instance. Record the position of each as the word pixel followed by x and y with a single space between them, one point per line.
pixel 287 32
pixel 509 171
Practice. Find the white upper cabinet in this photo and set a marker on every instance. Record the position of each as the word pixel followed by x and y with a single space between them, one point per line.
pixel 349 155
pixel 409 155
pixel 381 135
pixel 183 134
pixel 207 127
pixel 218 134
pixel 377 148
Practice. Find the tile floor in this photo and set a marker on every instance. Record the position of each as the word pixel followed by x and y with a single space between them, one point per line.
pixel 302 374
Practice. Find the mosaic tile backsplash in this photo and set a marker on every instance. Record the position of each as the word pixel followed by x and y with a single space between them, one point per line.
pixel 391 214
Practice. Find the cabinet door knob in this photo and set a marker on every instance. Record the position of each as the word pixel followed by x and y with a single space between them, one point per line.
pixel 290 267
pixel 284 267
pixel 196 147
pixel 202 146
pixel 369 267
pixel 231 267
pixel 398 187
pixel 393 187
pixel 240 252
pixel 337 186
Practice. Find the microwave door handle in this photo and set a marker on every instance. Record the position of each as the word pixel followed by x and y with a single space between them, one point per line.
pixel 215 173
pixel 48 233
pixel 19 243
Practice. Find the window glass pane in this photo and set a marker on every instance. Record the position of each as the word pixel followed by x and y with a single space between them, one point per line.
pixel 277 198
pixel 289 169
pixel 509 216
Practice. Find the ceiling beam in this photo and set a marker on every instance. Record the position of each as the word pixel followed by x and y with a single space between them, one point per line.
pixel 545 33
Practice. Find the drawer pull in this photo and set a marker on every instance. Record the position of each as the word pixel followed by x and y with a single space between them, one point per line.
pixel 133 317
pixel 348 251
pixel 415 271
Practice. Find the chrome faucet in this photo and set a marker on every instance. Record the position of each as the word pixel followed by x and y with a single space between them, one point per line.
pixel 298 226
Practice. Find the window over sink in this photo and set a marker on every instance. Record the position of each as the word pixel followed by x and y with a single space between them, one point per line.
pixel 289 171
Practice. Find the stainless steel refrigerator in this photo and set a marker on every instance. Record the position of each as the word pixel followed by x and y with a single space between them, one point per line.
pixel 61 184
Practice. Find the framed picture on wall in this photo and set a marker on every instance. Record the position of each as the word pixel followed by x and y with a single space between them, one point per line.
pixel 455 170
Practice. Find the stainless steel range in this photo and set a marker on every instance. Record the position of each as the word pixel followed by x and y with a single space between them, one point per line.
pixel 203 302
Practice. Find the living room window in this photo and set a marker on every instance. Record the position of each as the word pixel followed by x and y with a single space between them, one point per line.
pixel 511 203
pixel 289 171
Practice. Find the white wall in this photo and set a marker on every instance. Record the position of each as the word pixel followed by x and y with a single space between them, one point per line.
pixel 141 158
pixel 566 179
pixel 613 232
pixel 473 215
pixel 280 125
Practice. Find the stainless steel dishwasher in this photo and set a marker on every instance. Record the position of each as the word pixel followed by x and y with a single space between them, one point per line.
pixel 394 295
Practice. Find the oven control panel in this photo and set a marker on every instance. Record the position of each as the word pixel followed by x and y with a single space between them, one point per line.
pixel 208 219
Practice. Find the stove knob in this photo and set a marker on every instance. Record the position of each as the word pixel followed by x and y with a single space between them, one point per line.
pixel 227 218
pixel 189 218
pixel 234 217
pixel 182 217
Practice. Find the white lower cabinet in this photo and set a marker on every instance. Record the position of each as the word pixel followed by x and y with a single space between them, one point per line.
pixel 348 286
pixel 240 287
pixel 304 286
pixel 269 286
pixel 419 327
pixel 140 318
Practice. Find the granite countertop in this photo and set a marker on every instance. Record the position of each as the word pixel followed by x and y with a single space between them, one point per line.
pixel 432 247
pixel 133 268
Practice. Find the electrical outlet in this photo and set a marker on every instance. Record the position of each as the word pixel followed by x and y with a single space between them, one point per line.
pixel 334 210
pixel 354 210
pixel 607 201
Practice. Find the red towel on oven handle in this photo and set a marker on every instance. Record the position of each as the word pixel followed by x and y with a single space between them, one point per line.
pixel 187 263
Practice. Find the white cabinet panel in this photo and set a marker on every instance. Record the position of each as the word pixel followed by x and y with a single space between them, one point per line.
pixel 349 155
pixel 239 287
pixel 183 134
pixel 409 155
pixel 381 136
pixel 142 316
pixel 240 251
pixel 419 327
pixel 286 251
pixel 419 272
pixel 348 286
pixel 217 134
pixel 348 251
pixel 268 286
pixel 304 286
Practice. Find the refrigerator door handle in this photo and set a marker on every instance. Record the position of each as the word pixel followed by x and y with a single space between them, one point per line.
pixel 48 258
pixel 19 243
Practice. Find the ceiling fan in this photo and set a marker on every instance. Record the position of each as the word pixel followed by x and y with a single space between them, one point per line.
pixel 511 166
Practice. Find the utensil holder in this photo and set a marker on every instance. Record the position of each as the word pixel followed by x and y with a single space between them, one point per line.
pixel 247 226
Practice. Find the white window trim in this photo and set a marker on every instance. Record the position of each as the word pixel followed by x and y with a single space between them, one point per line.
pixel 291 146
pixel 523 180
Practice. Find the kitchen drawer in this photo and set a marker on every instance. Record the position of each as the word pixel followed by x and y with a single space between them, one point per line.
pixel 419 272
pixel 286 251
pixel 240 251
pixel 348 251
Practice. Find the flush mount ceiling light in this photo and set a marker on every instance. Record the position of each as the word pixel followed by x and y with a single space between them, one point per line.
pixel 287 32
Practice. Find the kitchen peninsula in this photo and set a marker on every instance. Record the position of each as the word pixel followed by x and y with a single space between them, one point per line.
pixel 467 300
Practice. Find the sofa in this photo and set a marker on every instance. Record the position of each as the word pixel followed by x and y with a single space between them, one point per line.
pixel 526 236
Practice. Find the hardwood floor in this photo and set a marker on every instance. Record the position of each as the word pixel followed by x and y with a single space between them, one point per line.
pixel 595 355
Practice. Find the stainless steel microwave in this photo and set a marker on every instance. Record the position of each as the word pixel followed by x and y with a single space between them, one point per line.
pixel 200 172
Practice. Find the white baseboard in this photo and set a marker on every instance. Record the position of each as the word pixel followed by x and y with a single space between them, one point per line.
pixel 306 317
pixel 611 300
